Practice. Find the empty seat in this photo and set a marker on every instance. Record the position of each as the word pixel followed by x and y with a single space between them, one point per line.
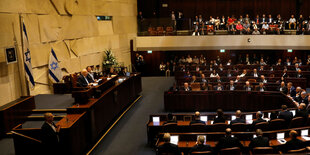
pixel 231 151
pixel 296 122
pixel 238 127
pixel 170 127
pixel 218 127
pixel 262 125
pixel 277 124
pixel 264 150
pixel 198 127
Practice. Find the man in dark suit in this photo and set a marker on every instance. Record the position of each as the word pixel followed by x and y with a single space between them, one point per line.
pixel 259 140
pixel 247 86
pixel 186 87
pixel 50 132
pixel 261 87
pixel 197 119
pixel 294 143
pixel 200 146
pixel 90 76
pixel 302 112
pixel 291 89
pixel 303 98
pixel 231 86
pixel 286 115
pixel 299 74
pixel 219 87
pixel 282 87
pixel 167 147
pixel 122 72
pixel 284 74
pixel 228 141
pixel 219 118
pixel 82 80
pixel 171 119
pixel 255 73
pixel 238 118
pixel 259 118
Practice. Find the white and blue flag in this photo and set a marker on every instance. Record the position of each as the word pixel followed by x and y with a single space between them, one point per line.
pixel 54 71
pixel 27 58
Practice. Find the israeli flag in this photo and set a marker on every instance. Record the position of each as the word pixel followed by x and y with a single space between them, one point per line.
pixel 54 71
pixel 27 58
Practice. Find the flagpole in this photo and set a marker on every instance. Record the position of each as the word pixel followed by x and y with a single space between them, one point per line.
pixel 25 84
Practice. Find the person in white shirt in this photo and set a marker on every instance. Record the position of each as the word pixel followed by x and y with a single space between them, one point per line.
pixel 214 74
pixel 255 74
pixel 262 62
pixel 202 59
pixel 229 62
pixel 292 21
pixel 279 63
pixel 243 73
pixel 237 79
pixel 212 20
pixel 255 32
pixel 195 60
pixel 265 28
pixel 189 59
pixel 262 79
pixel 91 74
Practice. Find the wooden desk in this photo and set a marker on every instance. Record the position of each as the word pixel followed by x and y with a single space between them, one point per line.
pixel 15 112
pixel 226 100
pixel 85 123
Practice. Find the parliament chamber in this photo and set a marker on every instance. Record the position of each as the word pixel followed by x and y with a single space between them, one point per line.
pixel 164 77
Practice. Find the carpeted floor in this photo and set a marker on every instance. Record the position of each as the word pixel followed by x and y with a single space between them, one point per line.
pixel 129 136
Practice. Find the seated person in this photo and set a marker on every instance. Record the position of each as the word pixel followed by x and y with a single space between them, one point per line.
pixel 292 21
pixel 255 73
pixel 237 79
pixel 244 73
pixel 259 119
pixel 291 91
pixel 255 32
pixel 261 87
pixel 294 143
pixel 203 78
pixel 297 67
pixel 50 132
pixel 279 63
pixel 238 118
pixel 262 79
pixel 197 119
pixel 284 74
pixel 229 62
pixel 214 74
pixel 286 115
pixel 82 79
pixel 167 147
pixel 259 140
pixel 288 62
pixel 261 68
pixel 231 86
pixel 193 79
pixel 112 72
pixel 265 28
pixel 220 117
pixel 186 87
pixel 122 72
pixel 90 75
pixel 200 146
pixel 171 119
pixel 219 87
pixel 303 98
pixel 188 75
pixel 302 112
pixel 274 115
pixel 247 86
pixel 204 86
pixel 228 141
pixel 299 74
pixel 282 87
pixel 218 79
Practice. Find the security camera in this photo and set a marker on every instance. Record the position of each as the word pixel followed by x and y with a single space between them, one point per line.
pixel 249 40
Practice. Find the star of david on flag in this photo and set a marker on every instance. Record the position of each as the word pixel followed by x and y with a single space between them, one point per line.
pixel 27 58
pixel 54 71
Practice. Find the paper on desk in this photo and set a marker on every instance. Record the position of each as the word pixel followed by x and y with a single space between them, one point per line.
pixel 282 141
pixel 306 138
